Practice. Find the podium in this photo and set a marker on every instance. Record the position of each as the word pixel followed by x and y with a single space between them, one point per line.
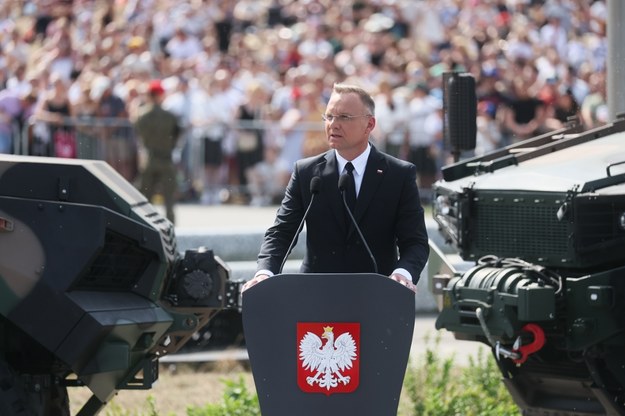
pixel 328 344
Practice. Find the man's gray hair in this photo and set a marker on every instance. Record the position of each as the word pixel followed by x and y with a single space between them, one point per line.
pixel 364 95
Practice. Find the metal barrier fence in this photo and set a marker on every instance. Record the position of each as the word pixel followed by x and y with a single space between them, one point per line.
pixel 110 139
pixel 114 140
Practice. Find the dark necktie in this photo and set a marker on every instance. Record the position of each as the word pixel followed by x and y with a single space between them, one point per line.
pixel 351 190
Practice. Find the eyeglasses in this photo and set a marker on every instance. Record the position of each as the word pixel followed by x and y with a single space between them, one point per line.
pixel 341 118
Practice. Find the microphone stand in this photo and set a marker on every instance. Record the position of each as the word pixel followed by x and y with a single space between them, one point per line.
pixel 315 183
pixel 342 185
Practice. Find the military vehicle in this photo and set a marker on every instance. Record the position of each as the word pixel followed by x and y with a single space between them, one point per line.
pixel 92 288
pixel 534 265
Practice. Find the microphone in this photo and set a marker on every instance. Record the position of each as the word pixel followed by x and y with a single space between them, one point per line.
pixel 315 187
pixel 344 181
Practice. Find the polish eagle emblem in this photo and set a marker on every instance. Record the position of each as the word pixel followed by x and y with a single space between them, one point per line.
pixel 327 362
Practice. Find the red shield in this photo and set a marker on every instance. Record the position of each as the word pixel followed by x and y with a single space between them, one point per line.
pixel 328 357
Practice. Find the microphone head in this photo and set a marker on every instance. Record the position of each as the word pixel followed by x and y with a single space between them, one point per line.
pixel 315 185
pixel 343 182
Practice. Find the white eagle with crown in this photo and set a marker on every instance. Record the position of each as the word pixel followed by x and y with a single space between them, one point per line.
pixel 327 360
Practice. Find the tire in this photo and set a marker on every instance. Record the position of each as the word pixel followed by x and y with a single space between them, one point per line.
pixel 19 398
pixel 13 398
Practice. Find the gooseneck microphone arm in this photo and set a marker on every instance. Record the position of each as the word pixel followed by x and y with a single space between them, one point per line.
pixel 315 187
pixel 344 180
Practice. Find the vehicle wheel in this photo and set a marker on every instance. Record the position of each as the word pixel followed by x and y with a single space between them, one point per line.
pixel 57 401
pixel 12 395
pixel 18 398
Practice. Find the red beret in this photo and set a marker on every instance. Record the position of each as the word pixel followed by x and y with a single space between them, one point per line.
pixel 155 87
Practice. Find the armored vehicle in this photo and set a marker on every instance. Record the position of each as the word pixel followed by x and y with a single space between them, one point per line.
pixel 538 230
pixel 92 288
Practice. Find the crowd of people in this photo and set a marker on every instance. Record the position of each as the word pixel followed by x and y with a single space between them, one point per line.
pixel 248 80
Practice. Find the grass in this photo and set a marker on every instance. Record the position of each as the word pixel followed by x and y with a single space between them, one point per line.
pixel 178 387
pixel 433 386
pixel 437 387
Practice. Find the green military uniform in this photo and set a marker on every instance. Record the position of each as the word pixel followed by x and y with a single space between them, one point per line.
pixel 159 130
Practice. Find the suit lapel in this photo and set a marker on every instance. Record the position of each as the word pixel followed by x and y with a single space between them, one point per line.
pixel 328 171
pixel 374 173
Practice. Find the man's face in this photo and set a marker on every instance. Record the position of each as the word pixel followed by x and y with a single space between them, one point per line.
pixel 351 135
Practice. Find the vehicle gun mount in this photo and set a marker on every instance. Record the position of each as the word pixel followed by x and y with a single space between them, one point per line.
pixel 93 290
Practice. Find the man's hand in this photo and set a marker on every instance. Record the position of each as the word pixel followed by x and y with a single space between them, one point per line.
pixel 402 280
pixel 255 280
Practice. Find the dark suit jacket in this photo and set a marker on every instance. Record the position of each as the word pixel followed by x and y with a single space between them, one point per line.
pixel 388 212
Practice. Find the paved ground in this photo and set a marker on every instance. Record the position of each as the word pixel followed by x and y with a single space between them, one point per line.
pixel 239 217
pixel 223 217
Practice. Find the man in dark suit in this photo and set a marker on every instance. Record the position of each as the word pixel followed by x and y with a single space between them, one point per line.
pixel 388 209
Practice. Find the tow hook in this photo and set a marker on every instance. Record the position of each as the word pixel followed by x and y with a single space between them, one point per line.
pixel 526 350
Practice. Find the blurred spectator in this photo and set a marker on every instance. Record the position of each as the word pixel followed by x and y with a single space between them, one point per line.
pixel 519 44
pixel 489 88
pixel 46 12
pixel 85 109
pixel 183 45
pixel 524 115
pixel 211 118
pixel 18 82
pixel 576 81
pixel 283 98
pixel 135 99
pixel 422 138
pixel 283 45
pixel 488 137
pixel 563 110
pixel 13 104
pixel 315 44
pixel 391 110
pixel 263 186
pixel 311 108
pixel 117 137
pixel 249 135
pixel 434 129
pixel 56 52
pixel 140 59
pixel 224 101
pixel 224 23
pixel 158 130
pixel 300 130
pixel 179 101
pixel 594 107
pixel 56 135
pixel 553 33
